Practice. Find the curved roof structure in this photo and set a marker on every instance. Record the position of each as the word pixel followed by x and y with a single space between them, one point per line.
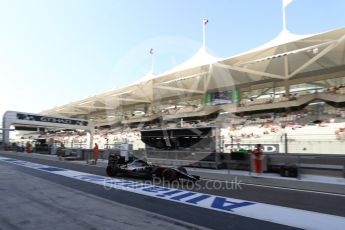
pixel 288 55
pixel 200 58
pixel 285 57
pixel 149 76
pixel 283 37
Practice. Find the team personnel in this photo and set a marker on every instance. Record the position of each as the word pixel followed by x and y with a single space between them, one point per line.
pixel 257 154
pixel 96 153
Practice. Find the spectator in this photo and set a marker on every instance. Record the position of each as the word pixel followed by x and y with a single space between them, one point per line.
pixel 335 89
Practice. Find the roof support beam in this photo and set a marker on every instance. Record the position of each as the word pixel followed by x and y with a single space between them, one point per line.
pixel 95 107
pixel 286 64
pixel 72 112
pixel 122 93
pixel 285 53
pixel 132 99
pixel 71 109
pixel 86 102
pixel 179 89
pixel 185 78
pixel 306 79
pixel 245 70
pixel 143 91
pixel 208 78
pixel 318 56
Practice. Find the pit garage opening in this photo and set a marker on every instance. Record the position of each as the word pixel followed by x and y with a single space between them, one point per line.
pixel 23 120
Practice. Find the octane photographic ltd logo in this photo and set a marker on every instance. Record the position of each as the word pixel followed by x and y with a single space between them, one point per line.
pixel 199 186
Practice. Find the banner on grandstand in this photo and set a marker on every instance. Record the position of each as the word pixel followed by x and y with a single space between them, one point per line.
pixel 32 117
pixel 267 148
pixel 208 98
pixel 236 96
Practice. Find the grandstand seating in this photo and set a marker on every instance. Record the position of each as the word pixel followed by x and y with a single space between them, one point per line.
pixel 302 138
pixel 267 128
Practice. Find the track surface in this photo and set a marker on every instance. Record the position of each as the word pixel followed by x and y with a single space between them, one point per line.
pixel 36 203
pixel 323 203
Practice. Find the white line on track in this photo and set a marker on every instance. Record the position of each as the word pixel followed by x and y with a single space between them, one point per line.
pixel 278 187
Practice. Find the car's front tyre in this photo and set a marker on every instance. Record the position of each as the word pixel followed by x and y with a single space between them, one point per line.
pixel 169 175
pixel 111 171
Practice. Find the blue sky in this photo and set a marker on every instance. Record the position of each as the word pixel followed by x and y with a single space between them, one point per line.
pixel 56 51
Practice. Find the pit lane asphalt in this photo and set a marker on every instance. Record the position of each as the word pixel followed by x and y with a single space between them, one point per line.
pixel 323 203
pixel 189 214
pixel 29 202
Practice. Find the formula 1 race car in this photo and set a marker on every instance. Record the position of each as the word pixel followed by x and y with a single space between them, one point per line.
pixel 140 168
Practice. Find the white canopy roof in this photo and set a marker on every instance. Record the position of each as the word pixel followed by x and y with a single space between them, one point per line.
pixel 286 56
pixel 200 58
pixel 283 37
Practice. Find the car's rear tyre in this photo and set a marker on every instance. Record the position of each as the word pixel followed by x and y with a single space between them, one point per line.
pixel 182 169
pixel 169 175
pixel 111 171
